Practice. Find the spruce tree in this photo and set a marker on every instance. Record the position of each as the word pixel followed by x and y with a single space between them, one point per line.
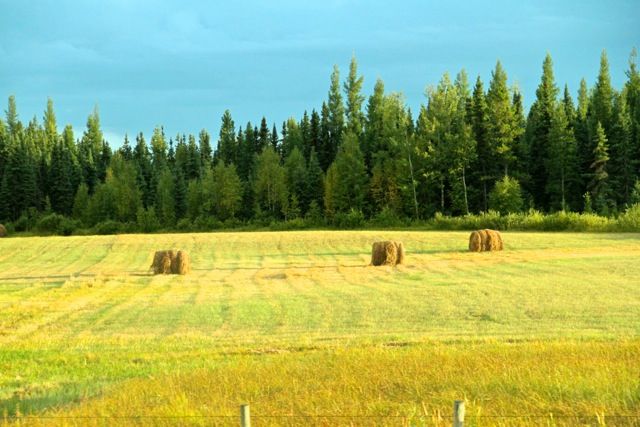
pixel 50 129
pixel 296 178
pixel 351 177
pixel 227 149
pixel 503 127
pixel 315 180
pixel 354 99
pixel 601 103
pixel 599 185
pixel 561 163
pixel 480 130
pixel 622 151
pixel 206 153
pixel 373 124
pixel 335 118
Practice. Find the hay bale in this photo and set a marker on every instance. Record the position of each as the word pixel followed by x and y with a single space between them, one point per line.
pixel 387 253
pixel 485 240
pixel 400 258
pixel 494 241
pixel 161 262
pixel 3 231
pixel 183 263
pixel 475 242
pixel 171 261
pixel 378 253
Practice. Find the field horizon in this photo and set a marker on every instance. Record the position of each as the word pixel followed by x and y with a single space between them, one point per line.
pixel 86 326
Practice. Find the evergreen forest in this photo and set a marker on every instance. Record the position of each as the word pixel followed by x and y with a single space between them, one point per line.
pixel 471 149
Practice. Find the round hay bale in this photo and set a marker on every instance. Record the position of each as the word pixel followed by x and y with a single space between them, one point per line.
pixel 494 240
pixel 3 231
pixel 183 262
pixel 475 242
pixel 485 240
pixel 161 262
pixel 391 253
pixel 156 265
pixel 173 257
pixel 171 261
pixel 378 253
pixel 401 255
pixel 387 253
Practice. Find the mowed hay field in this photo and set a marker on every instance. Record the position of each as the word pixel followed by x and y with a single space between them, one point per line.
pixel 297 324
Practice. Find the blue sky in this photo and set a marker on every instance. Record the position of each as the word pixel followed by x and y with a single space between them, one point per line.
pixel 182 64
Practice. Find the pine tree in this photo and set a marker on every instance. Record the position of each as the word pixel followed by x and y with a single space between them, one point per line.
pixel 125 151
pixel 206 153
pixel 503 129
pixel 227 149
pixel 582 133
pixel 50 129
pixel 373 124
pixel 92 137
pixel 599 185
pixel 351 177
pixel 335 118
pixel 165 203
pixel 262 136
pixel 315 180
pixel 305 132
pixel 245 155
pixel 296 178
pixel 561 162
pixel 480 131
pixel 142 160
pixel 194 159
pixel 354 97
pixel 292 138
pixel 622 163
pixel 61 189
pixel 13 122
pixel 159 150
pixel 538 129
pixel 325 154
pixel 601 104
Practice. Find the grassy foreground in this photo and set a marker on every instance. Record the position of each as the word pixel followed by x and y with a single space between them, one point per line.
pixel 297 324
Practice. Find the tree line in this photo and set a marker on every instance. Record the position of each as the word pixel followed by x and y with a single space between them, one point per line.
pixel 470 150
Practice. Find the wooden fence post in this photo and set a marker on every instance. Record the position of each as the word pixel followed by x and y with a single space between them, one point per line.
pixel 245 416
pixel 458 413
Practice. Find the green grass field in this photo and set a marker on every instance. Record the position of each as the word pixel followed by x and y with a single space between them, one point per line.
pixel 298 325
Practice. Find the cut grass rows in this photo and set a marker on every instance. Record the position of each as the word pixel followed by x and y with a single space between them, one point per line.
pixel 82 315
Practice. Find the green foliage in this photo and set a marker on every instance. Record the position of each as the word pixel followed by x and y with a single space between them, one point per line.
pixel 348 189
pixel 382 163
pixel 270 185
pixel 314 215
pixel 630 219
pixel 506 196
pixel 387 218
pixel 351 220
pixel 107 227
pixel 147 220
pixel 55 224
